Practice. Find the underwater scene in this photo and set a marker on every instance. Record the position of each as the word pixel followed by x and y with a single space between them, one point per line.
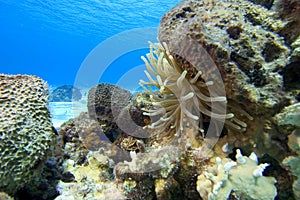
pixel 150 100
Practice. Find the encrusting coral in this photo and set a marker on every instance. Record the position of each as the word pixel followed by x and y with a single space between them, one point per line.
pixel 243 179
pixel 181 101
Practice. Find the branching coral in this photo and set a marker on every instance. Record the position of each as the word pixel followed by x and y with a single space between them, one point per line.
pixel 181 101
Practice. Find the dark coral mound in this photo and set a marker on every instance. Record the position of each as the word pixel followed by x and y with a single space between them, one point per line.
pixel 105 103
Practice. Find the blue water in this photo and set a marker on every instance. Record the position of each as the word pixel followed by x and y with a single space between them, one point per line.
pixel 51 39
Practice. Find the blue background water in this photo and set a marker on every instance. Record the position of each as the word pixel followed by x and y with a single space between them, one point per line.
pixel 51 39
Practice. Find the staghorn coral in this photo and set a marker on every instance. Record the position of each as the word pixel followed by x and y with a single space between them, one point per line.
pixel 181 101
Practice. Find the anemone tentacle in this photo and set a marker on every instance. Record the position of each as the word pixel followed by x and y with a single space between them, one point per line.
pixel 182 100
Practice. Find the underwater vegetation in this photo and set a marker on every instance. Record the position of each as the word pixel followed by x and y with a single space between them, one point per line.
pixel 223 123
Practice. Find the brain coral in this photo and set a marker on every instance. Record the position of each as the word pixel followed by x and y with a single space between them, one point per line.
pixel 25 129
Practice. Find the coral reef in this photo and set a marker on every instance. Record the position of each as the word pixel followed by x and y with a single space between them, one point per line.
pixel 26 133
pixel 266 3
pixel 44 188
pixel 291 72
pixel 65 93
pixel 71 144
pixel 258 68
pixel 87 170
pixel 139 175
pixel 289 116
pixel 160 167
pixel 219 63
pixel 138 102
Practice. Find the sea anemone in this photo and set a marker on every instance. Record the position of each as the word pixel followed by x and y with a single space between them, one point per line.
pixel 181 101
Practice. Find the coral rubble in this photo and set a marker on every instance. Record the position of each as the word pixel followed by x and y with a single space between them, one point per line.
pixel 92 180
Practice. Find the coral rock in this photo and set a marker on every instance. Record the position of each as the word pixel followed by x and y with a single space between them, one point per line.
pixel 241 38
